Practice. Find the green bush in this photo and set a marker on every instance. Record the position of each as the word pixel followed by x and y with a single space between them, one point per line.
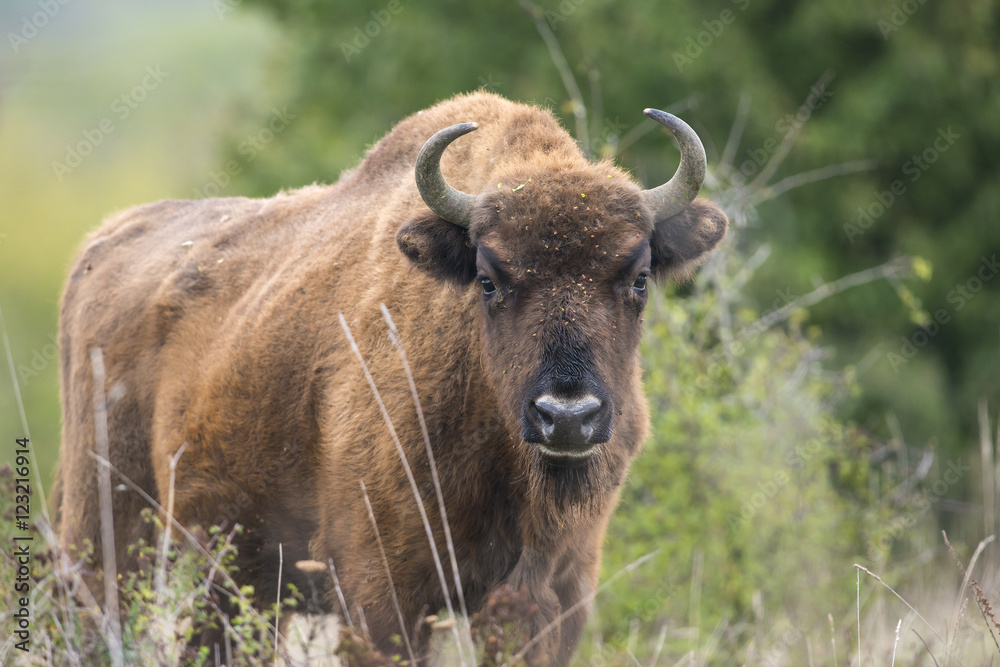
pixel 748 491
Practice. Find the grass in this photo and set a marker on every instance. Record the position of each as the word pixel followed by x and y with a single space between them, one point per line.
pixel 177 593
pixel 927 619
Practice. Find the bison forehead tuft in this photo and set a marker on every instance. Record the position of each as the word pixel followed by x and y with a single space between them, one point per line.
pixel 579 217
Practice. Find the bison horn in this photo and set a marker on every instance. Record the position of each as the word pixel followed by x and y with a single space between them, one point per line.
pixel 673 196
pixel 453 205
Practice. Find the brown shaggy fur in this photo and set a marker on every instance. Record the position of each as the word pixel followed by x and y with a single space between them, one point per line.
pixel 218 320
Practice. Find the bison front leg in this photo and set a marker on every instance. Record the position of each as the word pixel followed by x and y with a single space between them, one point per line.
pixel 575 594
pixel 562 596
pixel 533 573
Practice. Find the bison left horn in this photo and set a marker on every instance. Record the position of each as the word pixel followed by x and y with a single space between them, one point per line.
pixel 673 196
pixel 453 205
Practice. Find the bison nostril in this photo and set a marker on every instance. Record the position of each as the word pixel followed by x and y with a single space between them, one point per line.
pixel 544 414
pixel 568 421
pixel 590 418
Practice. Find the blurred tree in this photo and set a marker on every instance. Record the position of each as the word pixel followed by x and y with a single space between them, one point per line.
pixel 897 99
pixel 915 86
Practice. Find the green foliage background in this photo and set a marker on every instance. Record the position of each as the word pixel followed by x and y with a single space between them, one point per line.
pixel 759 487
pixel 892 89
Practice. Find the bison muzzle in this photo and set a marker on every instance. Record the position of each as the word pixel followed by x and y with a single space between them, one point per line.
pixel 516 272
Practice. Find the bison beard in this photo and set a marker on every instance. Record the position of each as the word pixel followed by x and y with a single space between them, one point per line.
pixel 520 309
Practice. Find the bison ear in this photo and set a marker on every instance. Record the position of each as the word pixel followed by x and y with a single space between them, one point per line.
pixel 439 248
pixel 681 242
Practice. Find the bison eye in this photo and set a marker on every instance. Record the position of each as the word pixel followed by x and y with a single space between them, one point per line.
pixel 488 286
pixel 640 283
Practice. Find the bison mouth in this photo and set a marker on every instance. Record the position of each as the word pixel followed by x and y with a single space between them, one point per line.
pixel 572 483
pixel 565 457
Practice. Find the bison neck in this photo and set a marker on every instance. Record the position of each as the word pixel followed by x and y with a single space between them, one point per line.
pixel 500 498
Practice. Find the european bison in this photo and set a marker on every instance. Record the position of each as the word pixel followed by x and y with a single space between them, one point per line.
pixel 520 311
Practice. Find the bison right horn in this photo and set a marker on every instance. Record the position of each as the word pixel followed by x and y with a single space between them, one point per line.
pixel 453 205
pixel 673 196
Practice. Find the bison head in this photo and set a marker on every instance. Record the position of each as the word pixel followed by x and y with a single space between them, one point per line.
pixel 562 252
